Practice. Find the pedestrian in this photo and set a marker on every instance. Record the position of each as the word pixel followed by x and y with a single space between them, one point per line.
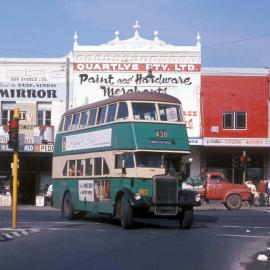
pixel 261 190
pixel 49 195
pixel 254 193
pixel 268 191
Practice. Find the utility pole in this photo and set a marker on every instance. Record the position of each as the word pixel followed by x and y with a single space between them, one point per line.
pixel 67 83
pixel 244 166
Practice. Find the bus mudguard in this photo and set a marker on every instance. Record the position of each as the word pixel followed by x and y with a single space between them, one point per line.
pixel 186 198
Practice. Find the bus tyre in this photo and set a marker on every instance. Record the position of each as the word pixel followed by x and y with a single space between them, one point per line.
pixel 67 206
pixel 126 213
pixel 186 218
pixel 233 202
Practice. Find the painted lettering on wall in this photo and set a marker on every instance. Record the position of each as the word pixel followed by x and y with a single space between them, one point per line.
pixel 136 67
pixel 110 85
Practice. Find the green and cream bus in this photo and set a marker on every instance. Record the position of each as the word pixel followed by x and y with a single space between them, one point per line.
pixel 123 156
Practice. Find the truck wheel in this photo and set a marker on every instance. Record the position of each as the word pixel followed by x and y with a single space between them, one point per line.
pixel 126 213
pixel 186 218
pixel 233 202
pixel 67 206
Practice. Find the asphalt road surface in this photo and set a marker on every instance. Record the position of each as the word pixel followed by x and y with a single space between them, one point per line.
pixel 219 239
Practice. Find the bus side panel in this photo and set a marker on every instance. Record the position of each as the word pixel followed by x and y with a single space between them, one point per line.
pixel 93 196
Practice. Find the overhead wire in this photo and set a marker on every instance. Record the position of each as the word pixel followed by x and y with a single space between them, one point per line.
pixel 235 41
pixel 203 46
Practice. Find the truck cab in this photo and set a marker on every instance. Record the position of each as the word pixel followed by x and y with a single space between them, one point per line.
pixel 217 187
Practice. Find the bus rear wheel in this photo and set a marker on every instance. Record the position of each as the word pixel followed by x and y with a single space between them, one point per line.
pixel 67 206
pixel 126 213
pixel 186 218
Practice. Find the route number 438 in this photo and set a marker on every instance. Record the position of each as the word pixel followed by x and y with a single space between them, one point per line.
pixel 161 133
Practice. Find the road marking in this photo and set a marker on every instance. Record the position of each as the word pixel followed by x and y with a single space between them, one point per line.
pixel 244 236
pixel 59 229
pixel 245 227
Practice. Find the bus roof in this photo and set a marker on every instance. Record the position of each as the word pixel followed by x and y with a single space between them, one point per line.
pixel 137 96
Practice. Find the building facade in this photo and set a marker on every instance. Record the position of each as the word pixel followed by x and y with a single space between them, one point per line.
pixel 38 88
pixel 235 117
pixel 226 110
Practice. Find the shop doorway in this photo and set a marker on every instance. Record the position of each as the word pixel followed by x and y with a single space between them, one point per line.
pixel 27 189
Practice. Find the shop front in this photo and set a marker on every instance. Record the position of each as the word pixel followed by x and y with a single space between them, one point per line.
pixel 34 176
pixel 239 159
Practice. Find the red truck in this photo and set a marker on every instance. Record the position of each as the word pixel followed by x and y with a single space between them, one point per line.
pixel 215 186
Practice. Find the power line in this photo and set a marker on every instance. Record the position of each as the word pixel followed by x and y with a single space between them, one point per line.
pixel 32 52
pixel 204 46
pixel 236 41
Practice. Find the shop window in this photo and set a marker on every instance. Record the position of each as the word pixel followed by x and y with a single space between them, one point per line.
pixel 234 120
pixel 44 114
pixel 7 112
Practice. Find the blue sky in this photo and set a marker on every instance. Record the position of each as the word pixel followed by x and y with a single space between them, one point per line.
pixel 235 33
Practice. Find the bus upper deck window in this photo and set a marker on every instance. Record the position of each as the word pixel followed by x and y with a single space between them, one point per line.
pixel 83 120
pixel 101 115
pixel 75 121
pixel 92 117
pixel 61 125
pixel 111 113
pixel 169 112
pixel 67 122
pixel 122 111
pixel 144 111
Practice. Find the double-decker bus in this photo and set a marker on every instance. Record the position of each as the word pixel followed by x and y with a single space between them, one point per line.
pixel 124 156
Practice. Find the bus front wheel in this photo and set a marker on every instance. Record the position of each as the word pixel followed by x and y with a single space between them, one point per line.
pixel 67 206
pixel 126 213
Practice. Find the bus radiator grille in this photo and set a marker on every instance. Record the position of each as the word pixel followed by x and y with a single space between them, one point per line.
pixel 165 195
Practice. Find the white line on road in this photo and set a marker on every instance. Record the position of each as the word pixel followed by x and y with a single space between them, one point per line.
pixel 244 236
pixel 244 227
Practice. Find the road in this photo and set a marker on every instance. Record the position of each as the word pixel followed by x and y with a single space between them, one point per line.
pixel 219 239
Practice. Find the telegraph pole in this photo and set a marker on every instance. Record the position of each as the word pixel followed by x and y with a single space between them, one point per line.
pixel 244 166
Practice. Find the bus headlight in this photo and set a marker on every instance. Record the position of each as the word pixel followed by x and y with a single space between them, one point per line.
pixel 197 197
